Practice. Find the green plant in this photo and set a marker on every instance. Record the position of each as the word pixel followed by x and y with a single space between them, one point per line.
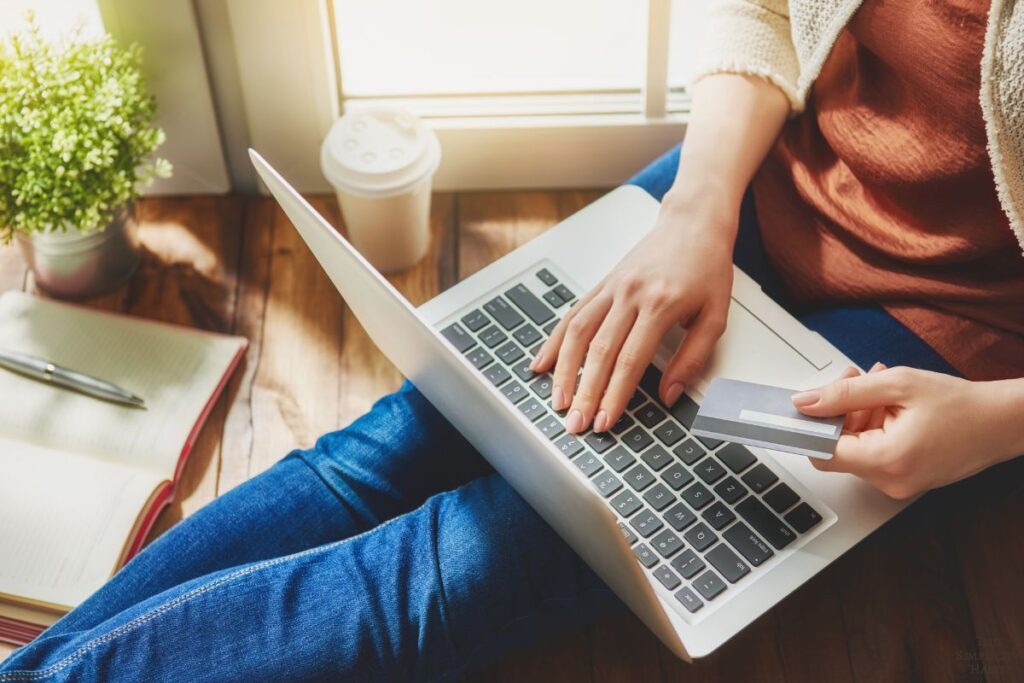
pixel 76 127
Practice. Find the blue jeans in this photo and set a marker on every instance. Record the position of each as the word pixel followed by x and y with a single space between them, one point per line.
pixel 388 551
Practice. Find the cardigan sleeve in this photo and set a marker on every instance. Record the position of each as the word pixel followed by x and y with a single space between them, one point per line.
pixel 751 37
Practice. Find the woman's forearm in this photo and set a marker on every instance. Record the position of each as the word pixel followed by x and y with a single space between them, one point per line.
pixel 733 123
pixel 1006 399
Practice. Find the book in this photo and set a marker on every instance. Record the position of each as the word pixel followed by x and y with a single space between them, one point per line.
pixel 82 480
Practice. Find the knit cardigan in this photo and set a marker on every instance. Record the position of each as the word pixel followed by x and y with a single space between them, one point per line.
pixel 788 41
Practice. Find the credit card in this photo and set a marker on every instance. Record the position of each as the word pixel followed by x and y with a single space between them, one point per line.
pixel 762 415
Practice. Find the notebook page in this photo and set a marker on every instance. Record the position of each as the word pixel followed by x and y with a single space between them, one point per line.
pixel 64 519
pixel 174 369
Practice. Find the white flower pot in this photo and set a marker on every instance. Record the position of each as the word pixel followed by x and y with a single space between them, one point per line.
pixel 73 265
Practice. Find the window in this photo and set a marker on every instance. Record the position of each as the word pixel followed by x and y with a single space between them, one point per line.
pixel 533 93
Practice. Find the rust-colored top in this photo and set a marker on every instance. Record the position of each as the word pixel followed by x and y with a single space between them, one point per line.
pixel 882 191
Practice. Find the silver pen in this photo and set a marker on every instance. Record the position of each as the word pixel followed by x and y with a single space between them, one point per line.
pixel 45 371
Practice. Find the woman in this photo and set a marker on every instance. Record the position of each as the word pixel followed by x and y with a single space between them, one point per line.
pixel 390 552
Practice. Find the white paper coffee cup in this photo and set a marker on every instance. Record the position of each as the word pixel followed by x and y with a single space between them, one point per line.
pixel 381 163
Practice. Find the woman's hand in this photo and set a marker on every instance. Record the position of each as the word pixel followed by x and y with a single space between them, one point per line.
pixel 679 273
pixel 908 431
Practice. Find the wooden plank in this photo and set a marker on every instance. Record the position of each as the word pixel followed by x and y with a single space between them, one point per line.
pixel 811 634
pixel 13 271
pixel 986 532
pixel 903 600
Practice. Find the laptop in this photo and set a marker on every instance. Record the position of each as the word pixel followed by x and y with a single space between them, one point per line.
pixel 697 536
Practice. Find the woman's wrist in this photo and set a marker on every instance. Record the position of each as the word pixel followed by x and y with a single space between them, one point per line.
pixel 709 207
pixel 1002 416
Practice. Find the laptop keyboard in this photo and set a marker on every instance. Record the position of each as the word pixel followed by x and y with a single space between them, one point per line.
pixel 701 515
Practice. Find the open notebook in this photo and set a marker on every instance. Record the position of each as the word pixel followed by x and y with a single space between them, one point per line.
pixel 82 480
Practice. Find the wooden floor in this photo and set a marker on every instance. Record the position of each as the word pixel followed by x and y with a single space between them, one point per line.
pixel 937 595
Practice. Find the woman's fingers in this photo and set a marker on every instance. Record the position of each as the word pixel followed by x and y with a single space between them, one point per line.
pixel 858 419
pixel 691 355
pixel 634 357
pixel 866 392
pixel 597 369
pixel 579 330
pixel 548 353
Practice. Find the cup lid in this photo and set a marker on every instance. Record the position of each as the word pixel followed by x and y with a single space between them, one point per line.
pixel 380 151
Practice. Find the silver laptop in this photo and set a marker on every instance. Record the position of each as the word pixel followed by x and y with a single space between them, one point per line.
pixel 697 536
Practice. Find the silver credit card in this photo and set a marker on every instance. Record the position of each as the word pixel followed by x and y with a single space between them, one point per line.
pixel 761 415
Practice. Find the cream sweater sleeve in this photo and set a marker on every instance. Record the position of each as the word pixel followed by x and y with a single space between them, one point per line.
pixel 750 37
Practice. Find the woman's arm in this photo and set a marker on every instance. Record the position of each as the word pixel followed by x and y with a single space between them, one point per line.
pixel 908 431
pixel 679 273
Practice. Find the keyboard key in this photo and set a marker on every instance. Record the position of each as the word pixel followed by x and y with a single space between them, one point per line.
pixel 550 327
pixel 626 503
pixel 718 515
pixel 532 409
pixel 497 374
pixel 689 451
pixel 622 424
pixel 646 523
pixel 667 577
pixel 600 441
pixel 535 349
pixel 542 386
pixel 564 292
pixel 509 352
pixel 650 415
pixel 619 458
pixel 730 490
pixel 514 391
pixel 688 564
pixel 501 311
pixel 656 458
pixel 667 544
pixel 627 533
pixel 527 302
pixel 458 337
pixel 728 564
pixel 475 320
pixel 709 585
pixel 803 517
pixel 669 433
pixel 645 555
pixel 553 299
pixel 650 380
pixel 492 336
pixel 606 483
pixel 527 335
pixel 684 410
pixel 709 470
pixel 545 276
pixel 677 476
pixel 700 537
pixel 697 496
pixel 637 439
pixel 588 464
pixel 523 371
pixel 760 478
pixel 736 457
pixel 688 599
pixel 635 400
pixel 757 515
pixel 659 497
pixel 781 498
pixel 710 443
pixel 679 517
pixel 479 358
pixel 551 427
pixel 639 478
pixel 748 544
pixel 569 445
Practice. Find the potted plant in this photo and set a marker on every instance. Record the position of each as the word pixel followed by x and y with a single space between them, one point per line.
pixel 76 132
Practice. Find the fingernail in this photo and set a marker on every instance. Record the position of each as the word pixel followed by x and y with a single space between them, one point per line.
pixel 672 395
pixel 574 423
pixel 557 398
pixel 601 421
pixel 806 398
